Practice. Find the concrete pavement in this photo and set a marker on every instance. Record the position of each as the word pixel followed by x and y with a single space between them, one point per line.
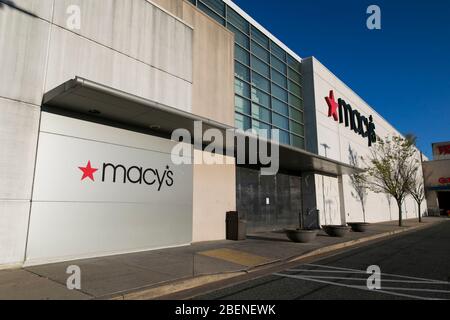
pixel 152 274
pixel 415 265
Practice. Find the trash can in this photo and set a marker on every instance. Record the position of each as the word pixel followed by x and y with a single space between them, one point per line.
pixel 236 229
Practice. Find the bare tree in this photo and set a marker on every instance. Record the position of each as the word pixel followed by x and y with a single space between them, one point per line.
pixel 389 201
pixel 416 188
pixel 392 166
pixel 358 181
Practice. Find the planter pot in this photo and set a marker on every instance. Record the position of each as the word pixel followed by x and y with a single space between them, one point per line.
pixel 301 236
pixel 336 231
pixel 359 226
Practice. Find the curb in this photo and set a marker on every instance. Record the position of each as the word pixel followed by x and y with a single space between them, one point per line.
pixel 178 286
pixel 355 242
pixel 186 284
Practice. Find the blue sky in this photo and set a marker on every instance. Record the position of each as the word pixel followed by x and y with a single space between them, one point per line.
pixel 402 71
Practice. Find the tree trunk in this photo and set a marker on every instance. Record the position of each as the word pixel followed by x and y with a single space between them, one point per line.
pixel 400 214
pixel 420 213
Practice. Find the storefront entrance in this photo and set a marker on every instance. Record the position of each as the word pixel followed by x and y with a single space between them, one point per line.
pixel 444 202
pixel 268 203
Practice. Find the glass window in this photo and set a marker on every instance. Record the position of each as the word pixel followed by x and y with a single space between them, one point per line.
pixel 297 128
pixel 278 51
pixel 260 52
pixel 260 82
pixel 279 79
pixel 242 105
pixel 211 13
pixel 260 38
pixel 260 97
pixel 296 102
pixel 263 129
pixel 279 93
pixel 296 115
pixel 294 76
pixel 239 37
pixel 279 65
pixel 298 142
pixel 280 107
pixel 295 88
pixel 241 55
pixel 241 71
pixel 280 121
pixel 242 122
pixel 194 2
pixel 283 136
pixel 260 113
pixel 260 66
pixel 238 21
pixel 217 5
pixel 241 88
pixel 294 64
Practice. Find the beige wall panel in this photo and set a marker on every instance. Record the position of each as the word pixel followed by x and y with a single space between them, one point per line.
pixel 175 7
pixel 13 231
pixel 434 171
pixel 136 28
pixel 40 8
pixel 23 47
pixel 19 124
pixel 214 190
pixel 72 55
pixel 213 67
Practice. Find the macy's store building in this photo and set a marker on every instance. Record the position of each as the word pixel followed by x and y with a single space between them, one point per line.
pixel 86 123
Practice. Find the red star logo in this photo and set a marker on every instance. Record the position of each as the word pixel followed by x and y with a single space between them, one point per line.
pixel 88 171
pixel 333 106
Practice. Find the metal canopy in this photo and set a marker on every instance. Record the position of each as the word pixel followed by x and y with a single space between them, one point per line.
pixel 97 101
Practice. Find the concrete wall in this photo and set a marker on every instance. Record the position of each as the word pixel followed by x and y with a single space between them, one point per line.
pixel 23 47
pixel 213 67
pixel 213 62
pixel 136 46
pixel 214 190
pixel 147 207
pixel 212 98
pixel 129 45
pixel 339 139
pixel 175 7
pixel 434 171
pixel 328 200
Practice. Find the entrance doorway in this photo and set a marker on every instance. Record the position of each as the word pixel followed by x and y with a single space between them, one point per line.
pixel 444 202
pixel 268 203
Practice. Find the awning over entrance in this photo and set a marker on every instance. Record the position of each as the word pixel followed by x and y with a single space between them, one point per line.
pixel 102 103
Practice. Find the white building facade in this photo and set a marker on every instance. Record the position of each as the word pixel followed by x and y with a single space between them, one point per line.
pixel 86 116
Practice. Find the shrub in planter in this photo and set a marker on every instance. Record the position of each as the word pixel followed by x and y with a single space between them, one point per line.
pixel 359 226
pixel 301 235
pixel 336 231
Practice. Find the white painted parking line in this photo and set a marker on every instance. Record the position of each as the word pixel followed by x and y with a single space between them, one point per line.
pixel 365 279
pixel 354 287
pixel 383 274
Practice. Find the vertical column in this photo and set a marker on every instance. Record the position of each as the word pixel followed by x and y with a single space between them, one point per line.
pixel 23 47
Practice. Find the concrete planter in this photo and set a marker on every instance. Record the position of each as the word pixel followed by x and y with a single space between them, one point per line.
pixel 336 231
pixel 359 226
pixel 301 236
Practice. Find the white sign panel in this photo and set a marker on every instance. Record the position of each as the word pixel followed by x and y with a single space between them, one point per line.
pixel 94 198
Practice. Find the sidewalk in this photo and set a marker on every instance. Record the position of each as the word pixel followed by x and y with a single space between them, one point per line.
pixel 156 273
